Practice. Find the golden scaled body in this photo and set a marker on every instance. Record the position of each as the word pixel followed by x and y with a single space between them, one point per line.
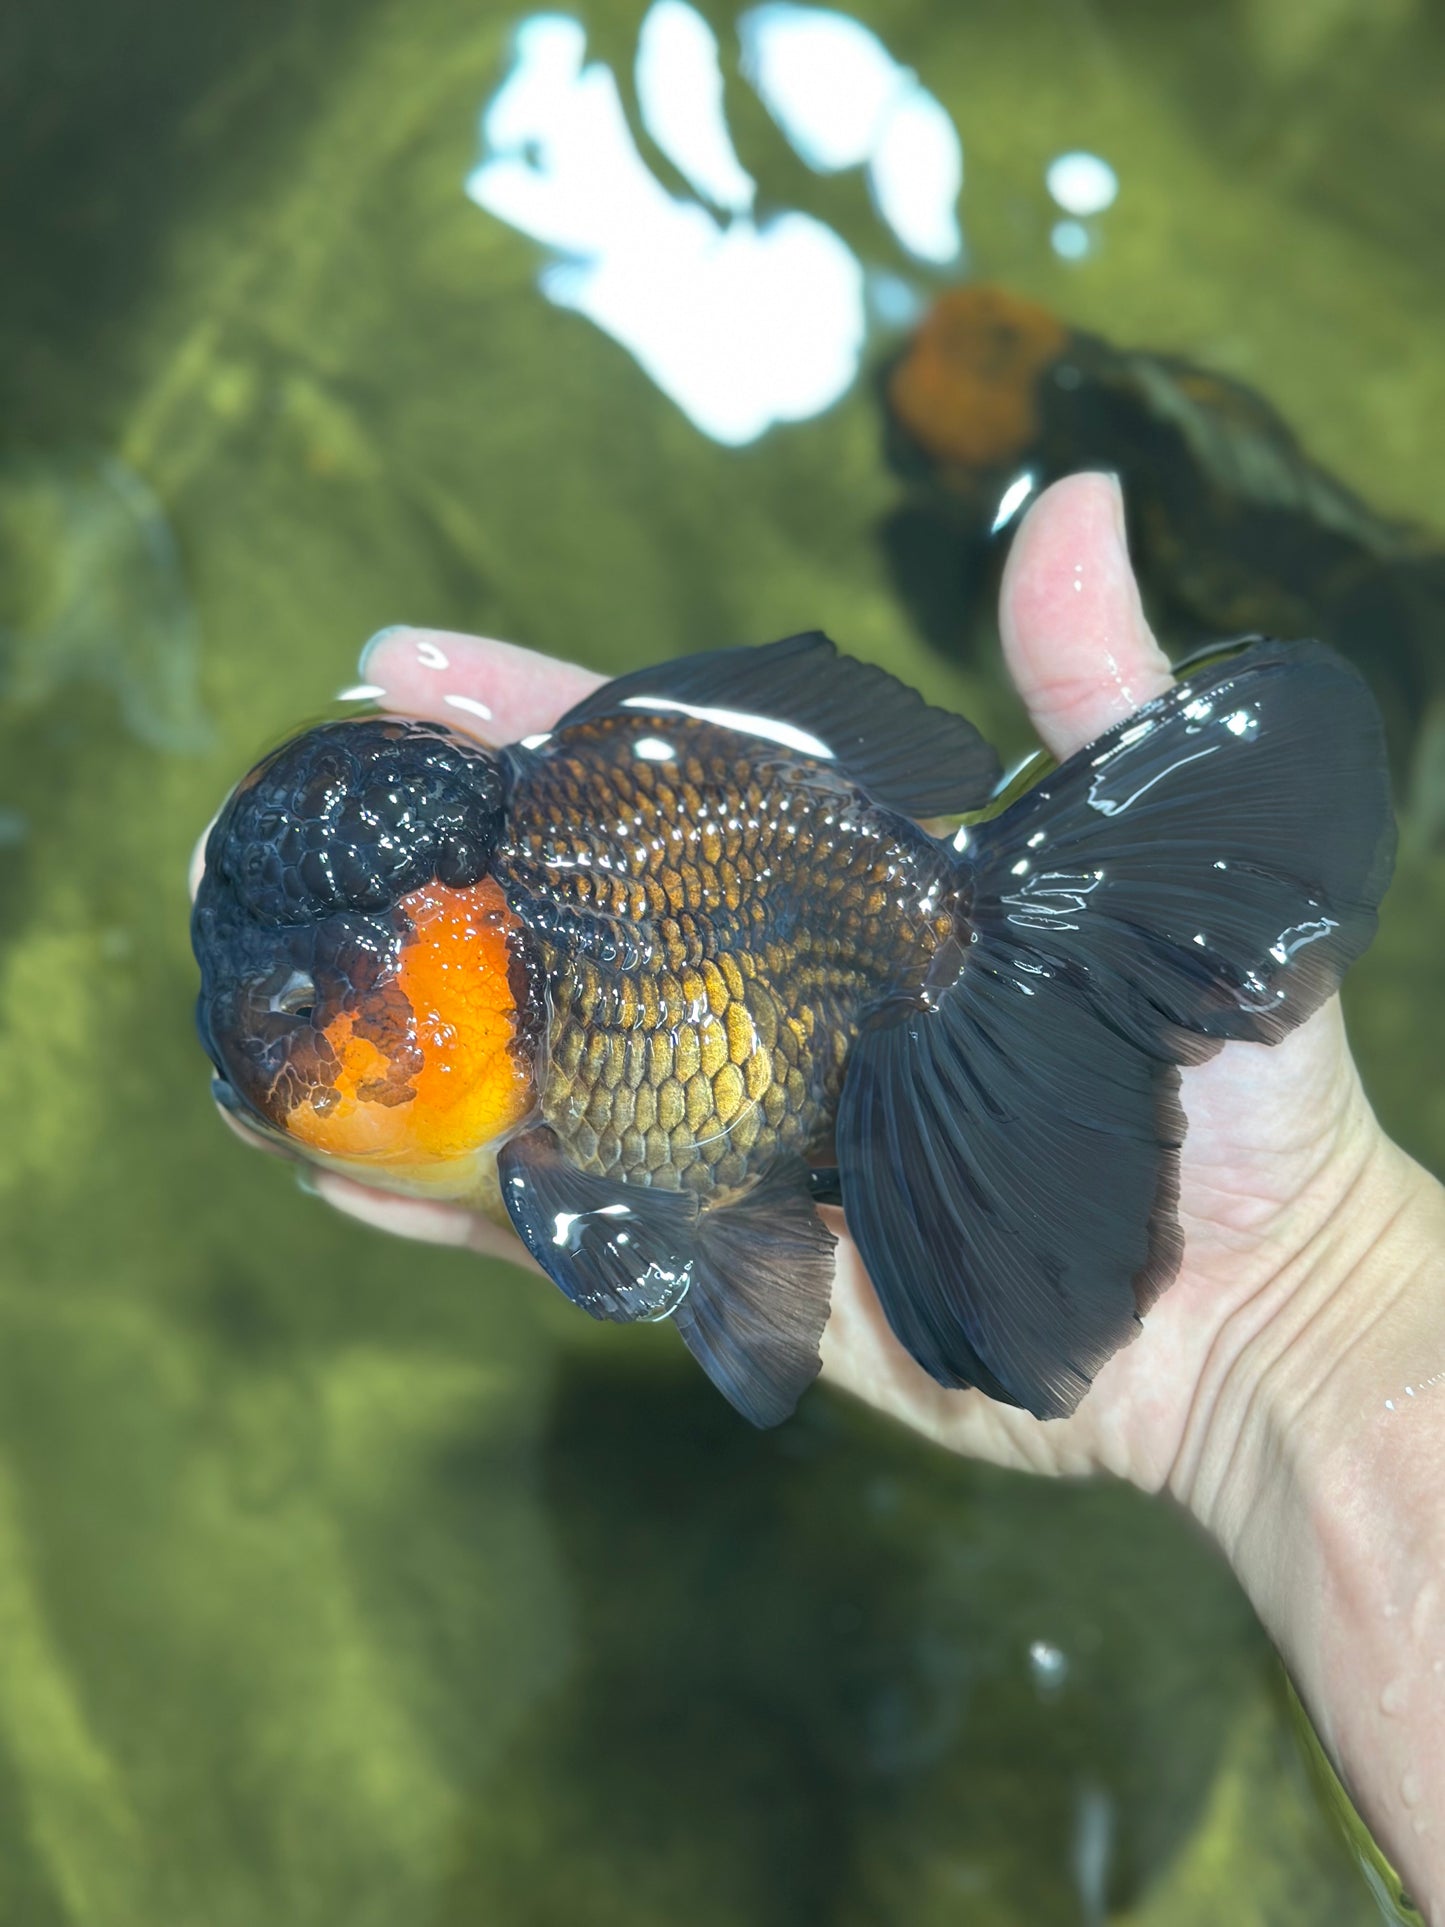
pixel 711 932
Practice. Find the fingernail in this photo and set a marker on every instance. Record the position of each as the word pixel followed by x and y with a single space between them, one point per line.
pixel 374 643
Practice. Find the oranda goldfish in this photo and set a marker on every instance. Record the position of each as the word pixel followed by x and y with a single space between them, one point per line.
pixel 655 984
pixel 1233 526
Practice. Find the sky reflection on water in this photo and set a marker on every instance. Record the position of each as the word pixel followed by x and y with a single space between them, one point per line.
pixel 741 322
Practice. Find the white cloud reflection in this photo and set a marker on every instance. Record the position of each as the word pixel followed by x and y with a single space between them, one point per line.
pixel 844 101
pixel 680 94
pixel 741 323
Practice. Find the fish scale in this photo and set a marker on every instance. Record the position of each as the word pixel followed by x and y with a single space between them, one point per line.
pixel 766 909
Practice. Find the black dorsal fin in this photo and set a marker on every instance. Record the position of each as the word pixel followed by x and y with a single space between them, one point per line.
pixel 908 755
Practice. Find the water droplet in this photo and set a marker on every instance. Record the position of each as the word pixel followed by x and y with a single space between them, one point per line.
pixel 471 705
pixel 1393 1697
pixel 1049 1665
pixel 1410 1789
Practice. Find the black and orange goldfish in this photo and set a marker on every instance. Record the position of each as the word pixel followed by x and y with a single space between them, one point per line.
pixel 1233 527
pixel 654 984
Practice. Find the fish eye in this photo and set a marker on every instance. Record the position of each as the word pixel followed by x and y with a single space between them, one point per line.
pixel 296 997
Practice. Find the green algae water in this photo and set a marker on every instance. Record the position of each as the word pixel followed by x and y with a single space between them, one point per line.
pixel 346 1580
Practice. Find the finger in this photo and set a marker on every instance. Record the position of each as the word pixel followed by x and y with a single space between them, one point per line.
pixel 490 689
pixel 427 1220
pixel 423 1219
pixel 1074 634
pixel 258 1140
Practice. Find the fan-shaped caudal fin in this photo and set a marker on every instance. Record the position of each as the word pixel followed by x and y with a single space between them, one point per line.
pixel 1207 870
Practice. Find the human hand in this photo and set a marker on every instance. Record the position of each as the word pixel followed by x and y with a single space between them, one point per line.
pixel 1258 1388
pixel 1279 1138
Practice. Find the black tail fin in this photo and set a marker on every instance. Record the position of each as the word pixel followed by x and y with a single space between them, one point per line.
pixel 1207 870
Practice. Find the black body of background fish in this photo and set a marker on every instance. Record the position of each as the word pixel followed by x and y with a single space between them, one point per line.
pixel 1233 528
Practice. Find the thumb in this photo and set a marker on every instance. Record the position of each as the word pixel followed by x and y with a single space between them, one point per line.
pixel 1075 639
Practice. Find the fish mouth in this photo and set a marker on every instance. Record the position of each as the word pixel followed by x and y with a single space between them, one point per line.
pixel 247 1122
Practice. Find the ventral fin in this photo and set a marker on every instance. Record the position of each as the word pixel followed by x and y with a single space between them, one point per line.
pixel 747 1281
pixel 906 754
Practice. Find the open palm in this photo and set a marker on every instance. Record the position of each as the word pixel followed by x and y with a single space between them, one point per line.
pixel 1277 1137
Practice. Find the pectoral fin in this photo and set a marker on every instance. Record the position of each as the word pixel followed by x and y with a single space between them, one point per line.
pixel 746 1281
pixel 620 1251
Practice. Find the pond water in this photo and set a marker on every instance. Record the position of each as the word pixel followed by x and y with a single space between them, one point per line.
pixel 347 1580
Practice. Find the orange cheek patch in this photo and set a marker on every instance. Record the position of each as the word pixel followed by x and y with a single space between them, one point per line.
pixel 471 1084
pixel 454 974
